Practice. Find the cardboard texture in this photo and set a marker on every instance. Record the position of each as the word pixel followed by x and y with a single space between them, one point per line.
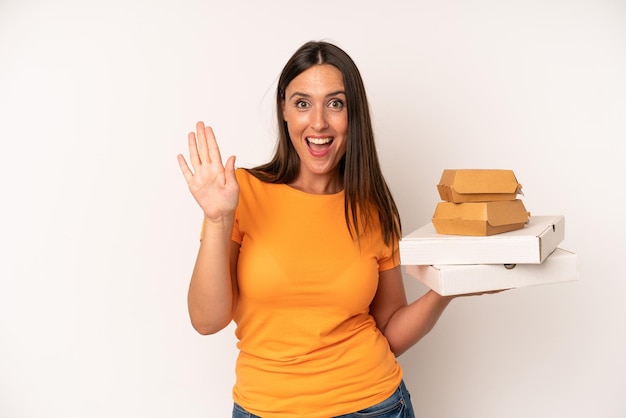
pixel 483 185
pixel 528 245
pixel 479 218
pixel 560 266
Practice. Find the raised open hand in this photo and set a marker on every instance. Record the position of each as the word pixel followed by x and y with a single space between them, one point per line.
pixel 213 185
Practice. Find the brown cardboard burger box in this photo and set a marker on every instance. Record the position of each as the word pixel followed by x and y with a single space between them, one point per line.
pixel 479 202
pixel 481 185
pixel 480 218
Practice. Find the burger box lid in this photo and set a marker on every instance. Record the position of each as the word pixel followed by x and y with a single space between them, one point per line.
pixel 528 245
pixel 481 185
pixel 560 266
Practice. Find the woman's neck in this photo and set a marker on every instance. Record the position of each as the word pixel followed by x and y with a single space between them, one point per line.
pixel 318 184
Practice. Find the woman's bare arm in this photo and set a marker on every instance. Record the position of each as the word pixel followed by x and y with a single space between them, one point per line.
pixel 212 291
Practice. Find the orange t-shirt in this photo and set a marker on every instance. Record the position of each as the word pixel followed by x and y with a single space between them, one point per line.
pixel 308 345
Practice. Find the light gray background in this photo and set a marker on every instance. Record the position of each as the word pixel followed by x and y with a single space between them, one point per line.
pixel 99 233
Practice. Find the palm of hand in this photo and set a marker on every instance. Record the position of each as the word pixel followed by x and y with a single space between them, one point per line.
pixel 213 185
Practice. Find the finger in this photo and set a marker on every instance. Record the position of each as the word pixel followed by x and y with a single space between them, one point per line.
pixel 214 150
pixel 184 168
pixel 193 150
pixel 230 169
pixel 203 150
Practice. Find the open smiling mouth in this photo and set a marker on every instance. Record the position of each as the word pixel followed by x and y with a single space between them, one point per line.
pixel 319 143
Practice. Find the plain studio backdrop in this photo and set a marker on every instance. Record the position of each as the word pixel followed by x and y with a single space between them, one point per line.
pixel 99 232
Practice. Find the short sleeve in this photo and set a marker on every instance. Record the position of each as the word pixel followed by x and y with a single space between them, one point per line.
pixel 390 257
pixel 244 188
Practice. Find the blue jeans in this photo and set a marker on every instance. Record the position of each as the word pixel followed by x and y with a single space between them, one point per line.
pixel 398 405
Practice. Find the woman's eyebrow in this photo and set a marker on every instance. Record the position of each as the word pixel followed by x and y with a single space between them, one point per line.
pixel 300 94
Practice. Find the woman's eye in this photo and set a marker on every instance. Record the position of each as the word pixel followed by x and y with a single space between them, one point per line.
pixel 336 104
pixel 300 104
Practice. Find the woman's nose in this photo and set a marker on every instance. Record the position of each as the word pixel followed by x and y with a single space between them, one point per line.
pixel 319 121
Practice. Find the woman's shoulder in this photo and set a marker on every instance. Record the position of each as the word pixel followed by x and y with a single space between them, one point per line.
pixel 248 181
pixel 242 173
pixel 244 178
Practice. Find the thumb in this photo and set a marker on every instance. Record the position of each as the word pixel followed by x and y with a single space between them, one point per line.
pixel 230 168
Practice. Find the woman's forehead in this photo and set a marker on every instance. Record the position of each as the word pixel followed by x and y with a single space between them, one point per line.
pixel 318 79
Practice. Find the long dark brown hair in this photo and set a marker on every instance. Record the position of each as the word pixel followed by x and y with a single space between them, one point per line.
pixel 365 189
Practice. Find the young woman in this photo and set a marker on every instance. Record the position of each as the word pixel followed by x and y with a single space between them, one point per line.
pixel 302 253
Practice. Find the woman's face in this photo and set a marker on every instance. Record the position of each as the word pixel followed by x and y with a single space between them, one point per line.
pixel 317 120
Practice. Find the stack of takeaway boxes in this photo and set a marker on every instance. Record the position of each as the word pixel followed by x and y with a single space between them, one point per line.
pixel 482 238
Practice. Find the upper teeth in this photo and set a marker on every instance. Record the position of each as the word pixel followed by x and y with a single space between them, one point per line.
pixel 319 141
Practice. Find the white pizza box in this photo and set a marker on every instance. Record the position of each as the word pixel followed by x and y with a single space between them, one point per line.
pixel 560 266
pixel 528 245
